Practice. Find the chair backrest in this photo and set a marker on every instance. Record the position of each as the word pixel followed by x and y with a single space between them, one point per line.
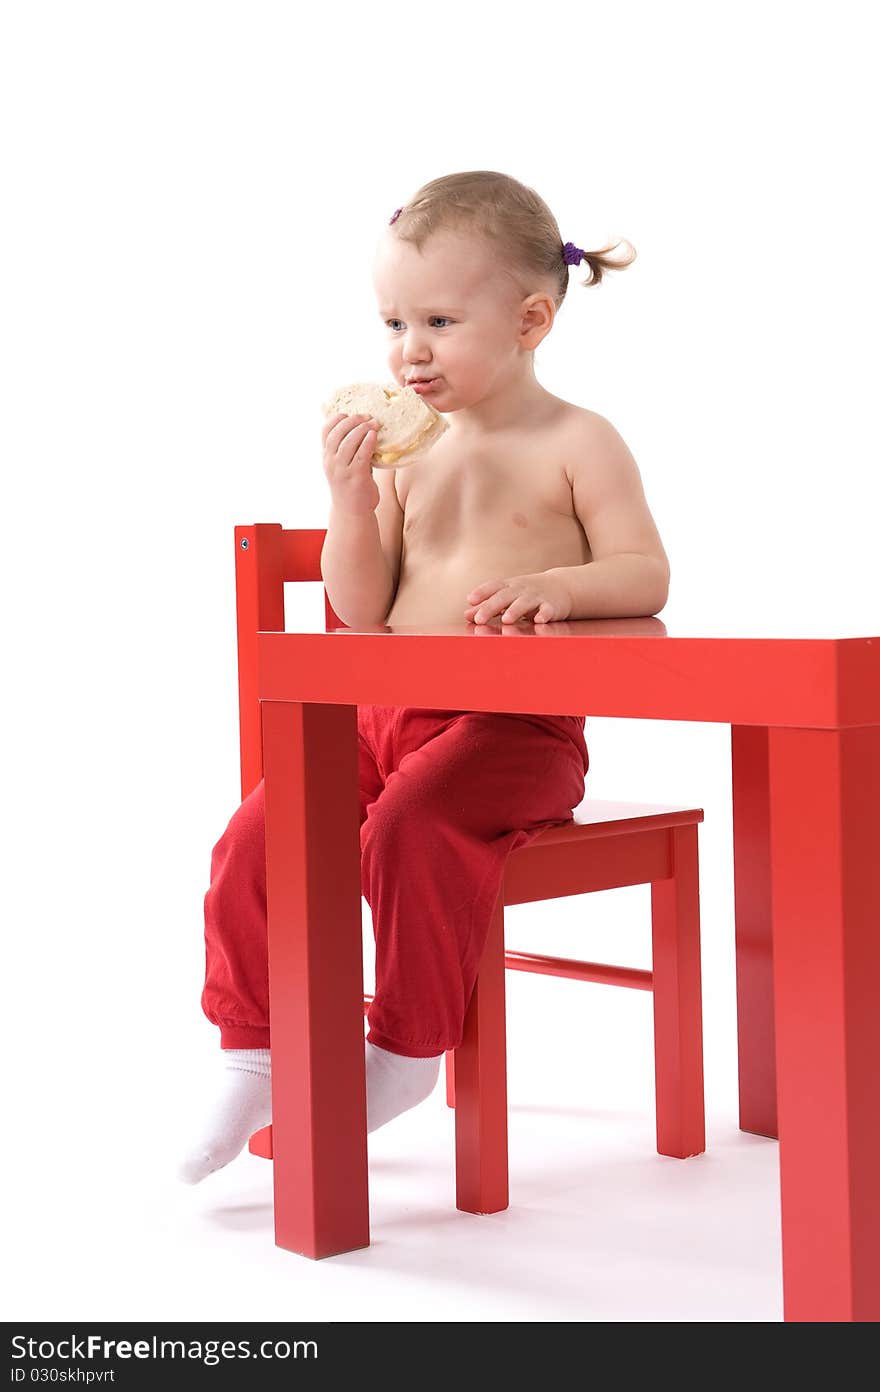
pixel 267 556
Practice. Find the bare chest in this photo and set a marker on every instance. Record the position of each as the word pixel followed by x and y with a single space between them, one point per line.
pixel 476 513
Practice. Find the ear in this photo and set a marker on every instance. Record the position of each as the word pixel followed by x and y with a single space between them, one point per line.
pixel 537 313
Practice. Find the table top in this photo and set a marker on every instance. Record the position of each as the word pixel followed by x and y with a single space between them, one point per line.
pixel 632 668
pixel 767 627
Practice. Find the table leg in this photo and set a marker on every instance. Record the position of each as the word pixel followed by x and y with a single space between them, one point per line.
pixel 754 949
pixel 824 837
pixel 313 885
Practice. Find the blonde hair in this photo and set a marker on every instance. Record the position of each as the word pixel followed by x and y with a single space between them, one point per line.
pixel 512 217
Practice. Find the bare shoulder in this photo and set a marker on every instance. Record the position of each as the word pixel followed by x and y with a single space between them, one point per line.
pixel 594 446
pixel 607 490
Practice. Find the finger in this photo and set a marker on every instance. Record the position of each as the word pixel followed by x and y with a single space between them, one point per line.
pixel 340 427
pixel 549 613
pixel 521 606
pixel 488 608
pixel 483 611
pixel 488 587
pixel 364 451
pixel 330 422
pixel 354 442
pixel 344 428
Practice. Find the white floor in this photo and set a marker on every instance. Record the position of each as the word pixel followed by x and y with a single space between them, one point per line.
pixel 600 1228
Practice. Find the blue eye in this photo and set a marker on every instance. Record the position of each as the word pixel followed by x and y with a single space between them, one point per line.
pixel 434 317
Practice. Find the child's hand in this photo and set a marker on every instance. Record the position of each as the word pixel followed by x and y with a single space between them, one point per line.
pixel 542 597
pixel 349 442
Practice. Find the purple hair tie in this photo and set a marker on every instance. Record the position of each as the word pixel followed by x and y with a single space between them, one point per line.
pixel 394 217
pixel 573 255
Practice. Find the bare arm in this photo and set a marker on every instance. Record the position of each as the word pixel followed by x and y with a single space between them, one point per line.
pixel 622 586
pixel 629 572
pixel 357 577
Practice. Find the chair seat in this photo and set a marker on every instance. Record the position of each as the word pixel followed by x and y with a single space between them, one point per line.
pixel 596 817
pixel 637 840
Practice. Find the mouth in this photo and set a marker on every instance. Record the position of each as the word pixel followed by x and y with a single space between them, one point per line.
pixel 422 385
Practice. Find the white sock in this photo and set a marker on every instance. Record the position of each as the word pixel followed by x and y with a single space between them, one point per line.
pixel 395 1083
pixel 243 1102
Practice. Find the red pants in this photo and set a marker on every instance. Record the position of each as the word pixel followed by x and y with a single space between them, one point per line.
pixel 445 796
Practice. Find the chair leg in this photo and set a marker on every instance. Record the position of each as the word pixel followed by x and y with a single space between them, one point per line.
pixel 678 1025
pixel 480 1086
pixel 450 1078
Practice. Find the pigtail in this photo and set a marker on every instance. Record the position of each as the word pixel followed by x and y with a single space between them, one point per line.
pixel 600 261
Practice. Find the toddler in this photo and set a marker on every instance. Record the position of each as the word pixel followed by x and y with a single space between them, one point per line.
pixel 529 508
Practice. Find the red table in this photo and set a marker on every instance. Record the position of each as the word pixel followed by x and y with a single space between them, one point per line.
pixel 805 757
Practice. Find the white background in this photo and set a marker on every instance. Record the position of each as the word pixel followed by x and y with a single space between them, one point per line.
pixel 193 196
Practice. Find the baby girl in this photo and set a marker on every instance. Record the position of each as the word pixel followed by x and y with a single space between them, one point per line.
pixel 528 509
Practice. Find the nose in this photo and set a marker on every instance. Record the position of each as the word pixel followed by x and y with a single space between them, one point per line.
pixel 415 350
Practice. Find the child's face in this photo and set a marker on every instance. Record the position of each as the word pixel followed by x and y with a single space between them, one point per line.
pixel 450 313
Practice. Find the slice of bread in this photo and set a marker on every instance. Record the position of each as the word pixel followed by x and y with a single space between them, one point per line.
pixel 409 425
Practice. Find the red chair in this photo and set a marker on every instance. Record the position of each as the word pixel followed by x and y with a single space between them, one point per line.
pixel 607 846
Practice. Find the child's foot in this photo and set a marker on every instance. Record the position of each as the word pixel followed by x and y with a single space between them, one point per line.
pixel 240 1106
pixel 243 1102
pixel 395 1083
